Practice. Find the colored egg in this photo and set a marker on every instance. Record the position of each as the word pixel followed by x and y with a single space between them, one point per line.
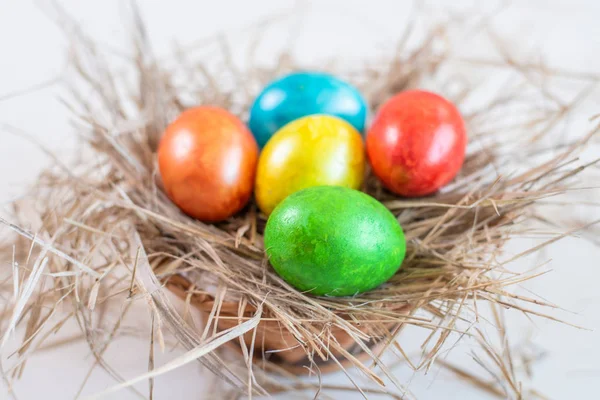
pixel 311 151
pixel 334 241
pixel 207 160
pixel 304 93
pixel 417 143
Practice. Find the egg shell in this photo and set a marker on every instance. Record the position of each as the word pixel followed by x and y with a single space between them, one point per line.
pixel 207 160
pixel 417 143
pixel 310 151
pixel 334 241
pixel 304 93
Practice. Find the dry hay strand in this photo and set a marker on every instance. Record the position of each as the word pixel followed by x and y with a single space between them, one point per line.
pixel 102 229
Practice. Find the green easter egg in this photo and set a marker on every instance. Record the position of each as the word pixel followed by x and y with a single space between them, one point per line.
pixel 334 241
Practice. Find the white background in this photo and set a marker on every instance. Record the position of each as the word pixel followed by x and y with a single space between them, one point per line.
pixel 33 51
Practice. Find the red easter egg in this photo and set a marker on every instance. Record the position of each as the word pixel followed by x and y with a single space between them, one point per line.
pixel 417 143
pixel 207 161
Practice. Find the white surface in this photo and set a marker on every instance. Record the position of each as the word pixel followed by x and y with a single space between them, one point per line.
pixel 33 50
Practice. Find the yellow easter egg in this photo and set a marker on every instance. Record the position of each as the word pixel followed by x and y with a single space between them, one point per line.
pixel 317 150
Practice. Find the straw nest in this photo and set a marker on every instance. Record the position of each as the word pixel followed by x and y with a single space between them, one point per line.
pixel 102 229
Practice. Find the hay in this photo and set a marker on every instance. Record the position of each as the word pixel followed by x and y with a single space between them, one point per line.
pixel 102 229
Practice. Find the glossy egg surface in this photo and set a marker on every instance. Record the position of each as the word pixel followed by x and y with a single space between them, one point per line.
pixel 207 160
pixel 334 241
pixel 304 93
pixel 417 143
pixel 311 151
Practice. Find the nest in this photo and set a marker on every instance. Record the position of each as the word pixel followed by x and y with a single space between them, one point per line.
pixel 102 229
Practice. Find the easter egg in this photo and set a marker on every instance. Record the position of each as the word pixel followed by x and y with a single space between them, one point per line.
pixel 311 151
pixel 207 161
pixel 416 143
pixel 334 241
pixel 304 93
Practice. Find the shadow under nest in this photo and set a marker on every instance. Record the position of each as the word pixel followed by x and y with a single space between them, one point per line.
pixel 106 228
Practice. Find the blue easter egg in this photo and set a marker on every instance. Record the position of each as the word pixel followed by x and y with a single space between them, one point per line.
pixel 304 93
